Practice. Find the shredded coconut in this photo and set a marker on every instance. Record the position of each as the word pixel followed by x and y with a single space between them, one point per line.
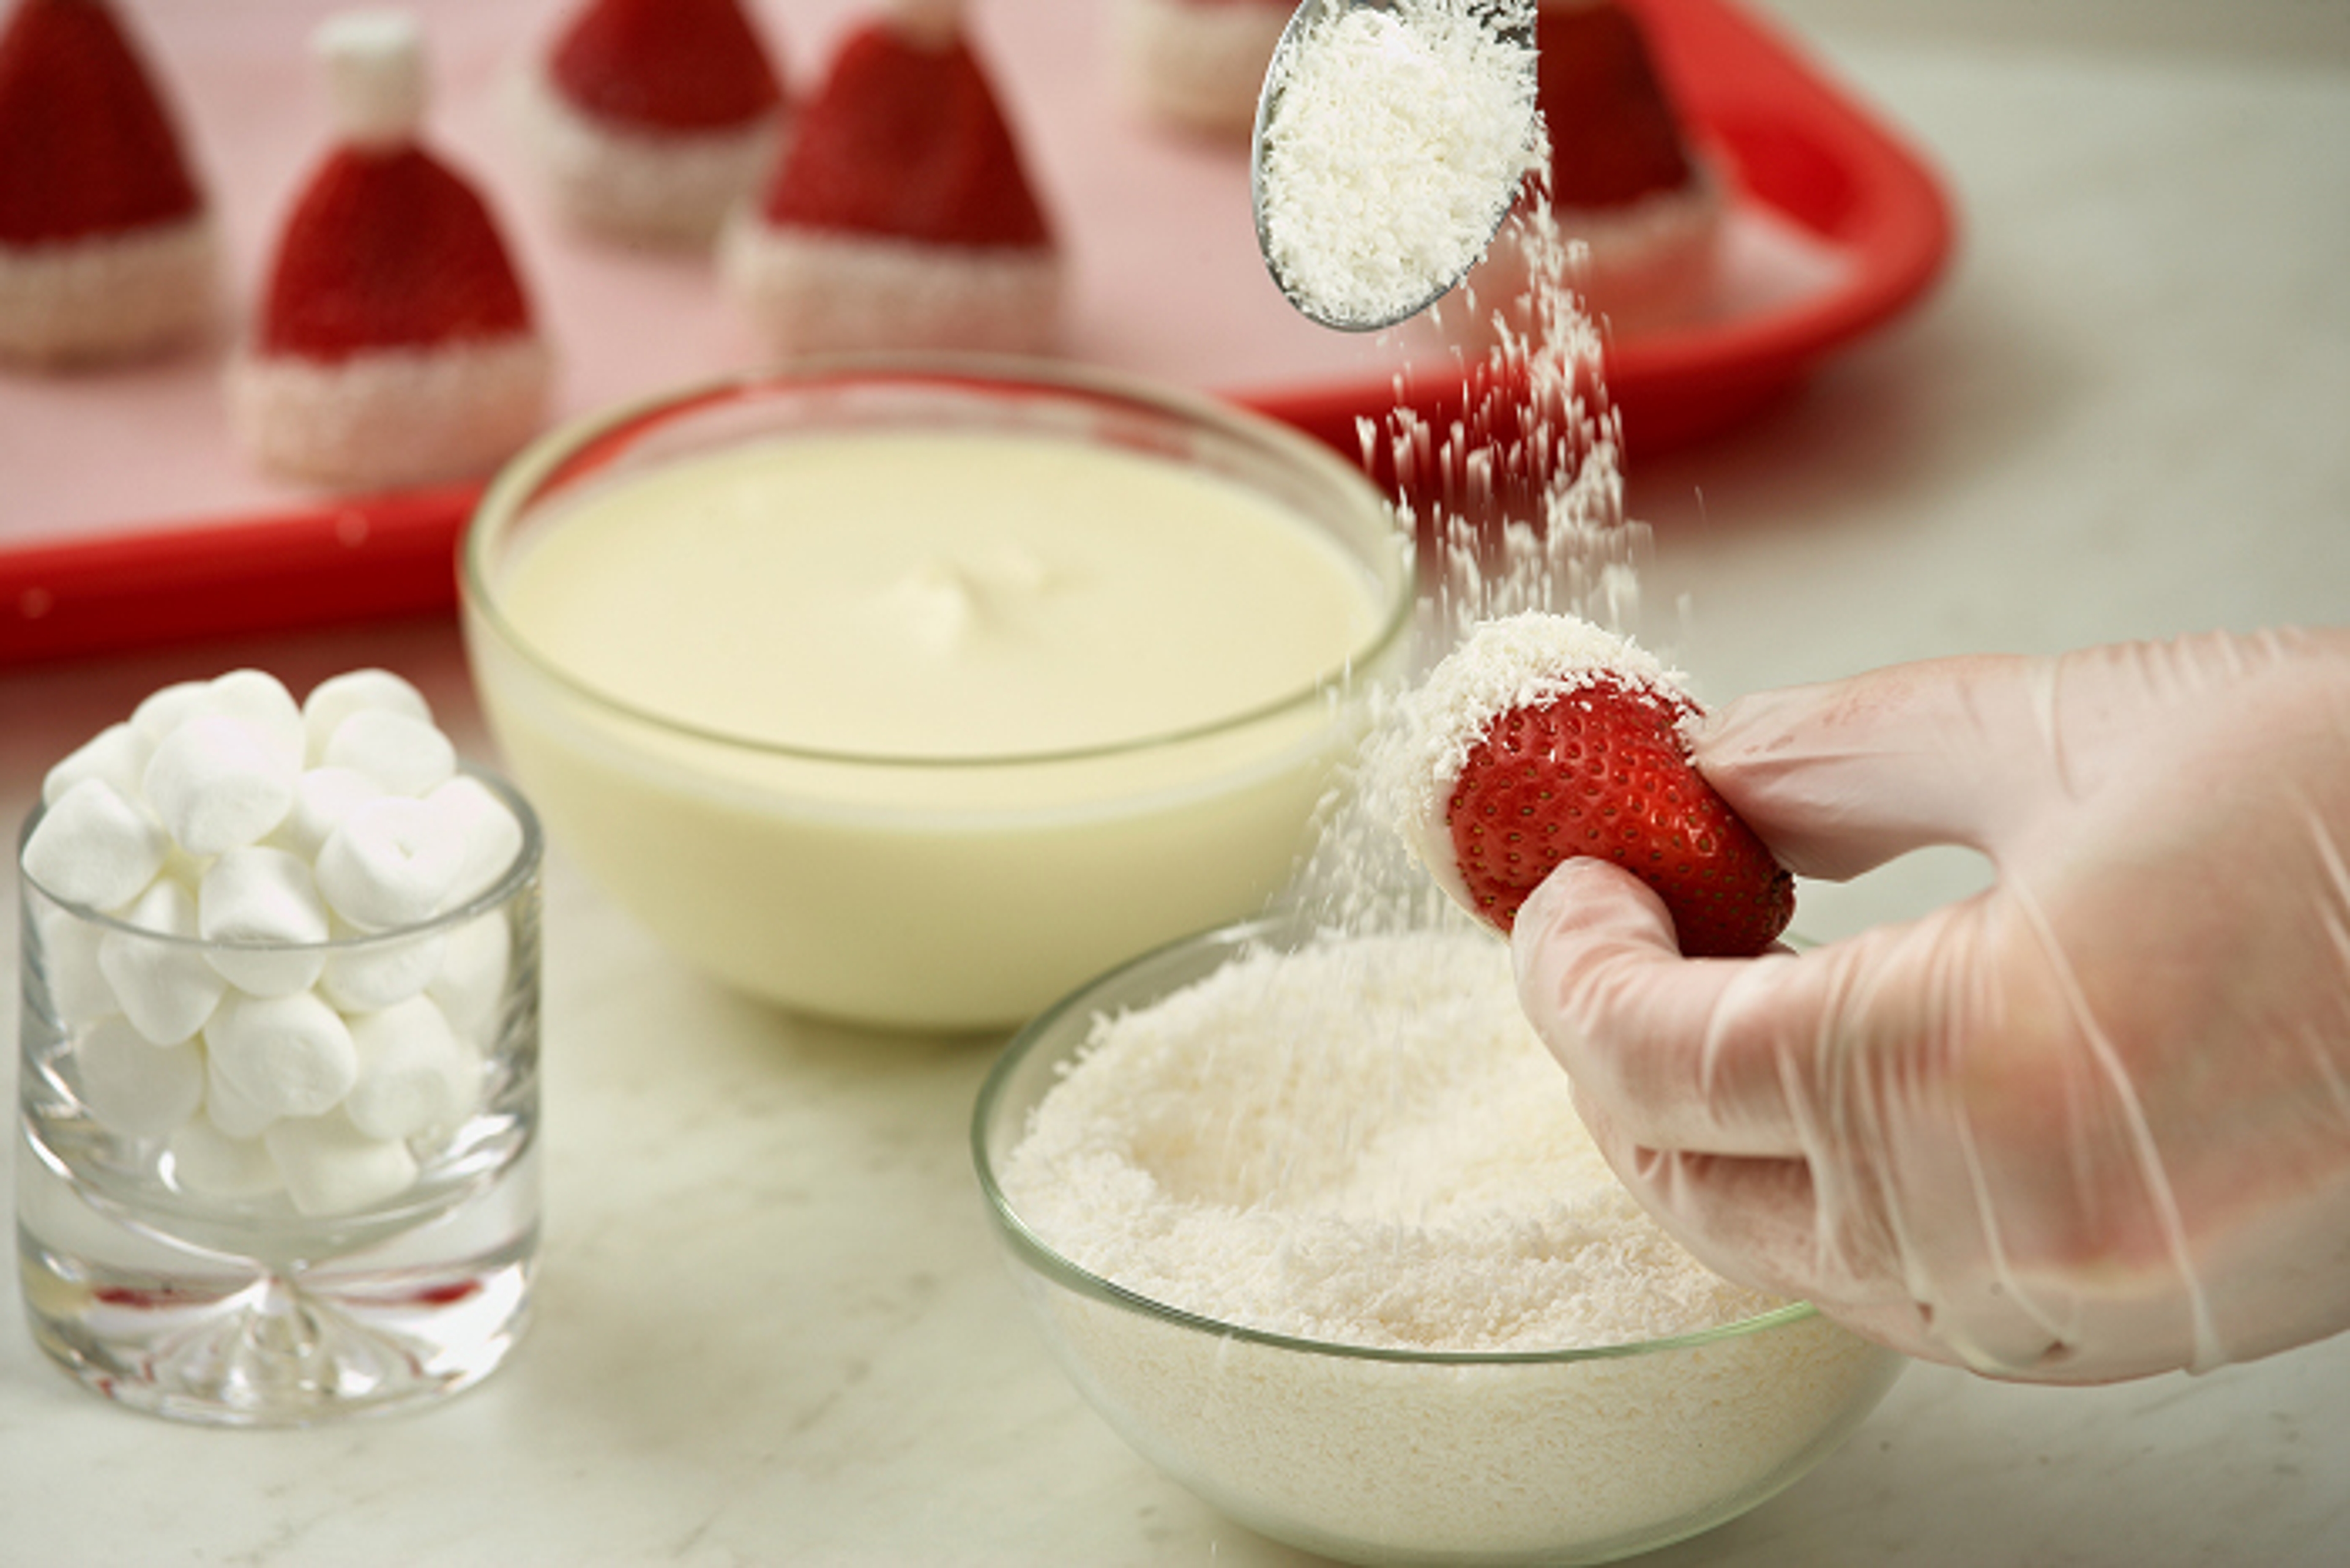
pixel 809 291
pixel 1394 139
pixel 394 416
pixel 112 295
pixel 1362 1142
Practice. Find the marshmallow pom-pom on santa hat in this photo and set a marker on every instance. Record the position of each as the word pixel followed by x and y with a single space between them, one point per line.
pixel 900 215
pixel 1197 66
pixel 107 250
pixel 650 120
pixel 1629 187
pixel 395 344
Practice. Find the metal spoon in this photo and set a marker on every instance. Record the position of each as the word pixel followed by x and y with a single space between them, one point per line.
pixel 1511 26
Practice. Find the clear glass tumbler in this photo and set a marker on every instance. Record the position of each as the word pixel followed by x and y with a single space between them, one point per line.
pixel 274 1184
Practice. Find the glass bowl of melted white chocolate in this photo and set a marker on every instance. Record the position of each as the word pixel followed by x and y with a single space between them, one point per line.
pixel 913 691
pixel 1306 1214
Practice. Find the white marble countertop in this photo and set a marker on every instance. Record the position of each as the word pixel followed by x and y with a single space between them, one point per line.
pixel 772 1328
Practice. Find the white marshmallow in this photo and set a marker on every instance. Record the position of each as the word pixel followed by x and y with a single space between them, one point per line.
pixel 322 797
pixel 166 708
pixel 218 783
pixel 339 697
pixel 164 987
pixel 263 907
pixel 415 1075
pixel 401 752
pixel 95 847
pixel 210 1164
pixel 493 833
pixel 261 700
pixel 390 863
pixel 117 754
pixel 288 1055
pixel 374 63
pixel 473 978
pixel 228 1109
pixel 378 974
pixel 132 1088
pixel 332 1167
pixel 78 988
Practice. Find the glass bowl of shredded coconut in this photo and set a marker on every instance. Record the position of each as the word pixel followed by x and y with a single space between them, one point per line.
pixel 1309 1218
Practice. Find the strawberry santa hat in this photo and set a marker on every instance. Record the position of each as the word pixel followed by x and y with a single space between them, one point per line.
pixel 649 119
pixel 1629 186
pixel 1197 65
pixel 107 245
pixel 394 344
pixel 900 215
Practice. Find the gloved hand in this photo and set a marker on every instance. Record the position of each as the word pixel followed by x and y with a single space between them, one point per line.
pixel 2091 1123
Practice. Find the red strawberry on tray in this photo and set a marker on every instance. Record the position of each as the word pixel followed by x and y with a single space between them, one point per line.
pixel 650 118
pixel 395 344
pixel 107 246
pixel 1615 137
pixel 1626 181
pixel 901 215
pixel 1543 737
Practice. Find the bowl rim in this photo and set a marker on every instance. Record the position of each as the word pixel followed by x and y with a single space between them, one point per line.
pixel 1276 926
pixel 554 455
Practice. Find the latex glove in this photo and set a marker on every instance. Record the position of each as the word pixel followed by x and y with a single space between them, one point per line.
pixel 2093 1122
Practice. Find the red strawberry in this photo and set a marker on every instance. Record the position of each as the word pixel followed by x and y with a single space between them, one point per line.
pixel 905 140
pixel 1601 768
pixel 85 147
pixel 666 65
pixel 1614 135
pixel 388 248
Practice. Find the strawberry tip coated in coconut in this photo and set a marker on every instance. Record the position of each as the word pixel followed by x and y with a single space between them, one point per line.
pixel 901 215
pixel 395 344
pixel 1544 737
pixel 650 120
pixel 107 246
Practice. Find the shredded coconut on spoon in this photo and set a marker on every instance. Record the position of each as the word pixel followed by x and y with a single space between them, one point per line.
pixel 1391 142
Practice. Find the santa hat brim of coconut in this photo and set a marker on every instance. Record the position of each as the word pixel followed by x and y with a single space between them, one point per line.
pixel 1197 66
pixel 632 182
pixel 808 290
pixel 116 296
pixel 393 418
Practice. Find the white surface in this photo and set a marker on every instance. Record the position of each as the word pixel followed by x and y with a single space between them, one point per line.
pixel 772 1327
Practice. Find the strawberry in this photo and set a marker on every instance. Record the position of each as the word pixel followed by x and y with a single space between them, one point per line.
pixel 86 148
pixel 1592 760
pixel 666 65
pixel 388 248
pixel 1614 135
pixel 905 140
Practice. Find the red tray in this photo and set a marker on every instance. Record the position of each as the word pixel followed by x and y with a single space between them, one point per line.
pixel 1806 161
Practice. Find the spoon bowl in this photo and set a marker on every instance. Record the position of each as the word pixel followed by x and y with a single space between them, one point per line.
pixel 1391 139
